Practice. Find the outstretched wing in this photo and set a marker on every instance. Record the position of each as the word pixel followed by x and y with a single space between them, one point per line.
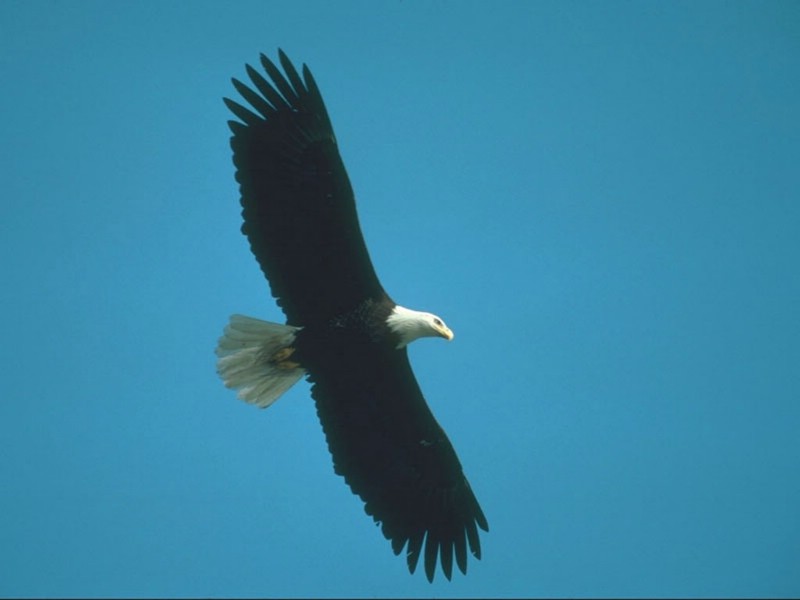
pixel 391 451
pixel 298 206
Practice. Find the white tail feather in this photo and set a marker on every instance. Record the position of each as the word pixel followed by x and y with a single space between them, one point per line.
pixel 246 350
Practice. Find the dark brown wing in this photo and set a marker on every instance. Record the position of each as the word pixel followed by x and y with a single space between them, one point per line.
pixel 298 207
pixel 395 456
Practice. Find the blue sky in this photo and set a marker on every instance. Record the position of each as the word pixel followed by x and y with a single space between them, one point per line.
pixel 601 199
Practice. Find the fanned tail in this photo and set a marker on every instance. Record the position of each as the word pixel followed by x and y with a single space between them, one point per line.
pixel 255 359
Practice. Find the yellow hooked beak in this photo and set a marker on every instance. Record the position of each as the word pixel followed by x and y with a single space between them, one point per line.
pixel 445 332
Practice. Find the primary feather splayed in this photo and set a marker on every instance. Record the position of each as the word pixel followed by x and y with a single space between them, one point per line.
pixel 343 331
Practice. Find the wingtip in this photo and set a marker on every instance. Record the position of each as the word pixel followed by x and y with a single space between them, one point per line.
pixel 431 552
pixel 446 557
pixel 266 62
pixel 413 551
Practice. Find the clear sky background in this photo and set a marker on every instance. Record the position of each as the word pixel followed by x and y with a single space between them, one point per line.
pixel 602 199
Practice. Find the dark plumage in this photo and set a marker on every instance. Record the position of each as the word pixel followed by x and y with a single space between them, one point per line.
pixel 343 331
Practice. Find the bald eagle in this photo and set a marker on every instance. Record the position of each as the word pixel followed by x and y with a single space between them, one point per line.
pixel 343 333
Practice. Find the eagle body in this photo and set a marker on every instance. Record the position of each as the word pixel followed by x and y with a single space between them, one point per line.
pixel 343 332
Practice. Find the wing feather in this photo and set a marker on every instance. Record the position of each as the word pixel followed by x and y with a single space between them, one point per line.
pixel 431 549
pixel 446 546
pixel 413 551
pixel 249 117
pixel 294 79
